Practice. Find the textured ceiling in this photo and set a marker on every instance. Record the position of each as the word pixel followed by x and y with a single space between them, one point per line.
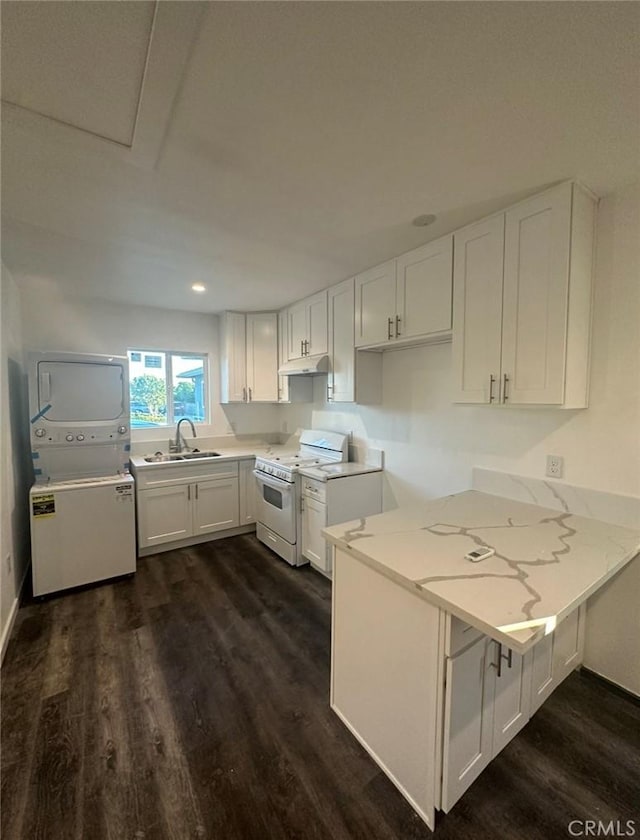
pixel 306 136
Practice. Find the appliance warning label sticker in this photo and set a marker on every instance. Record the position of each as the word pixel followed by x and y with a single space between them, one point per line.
pixel 124 489
pixel 43 505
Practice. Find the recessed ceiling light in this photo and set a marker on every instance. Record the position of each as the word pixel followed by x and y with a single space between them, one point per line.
pixel 199 287
pixel 424 220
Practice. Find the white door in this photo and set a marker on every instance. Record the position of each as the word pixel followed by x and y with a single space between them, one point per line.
pixel 297 329
pixel 477 311
pixel 341 380
pixel 216 505
pixel 164 515
pixel 424 288
pixel 536 278
pixel 314 519
pixel 262 357
pixel 235 357
pixel 468 721
pixel 569 644
pixel 276 507
pixel 376 305
pixel 248 493
pixel 542 682
pixel 283 355
pixel 512 695
pixel 317 324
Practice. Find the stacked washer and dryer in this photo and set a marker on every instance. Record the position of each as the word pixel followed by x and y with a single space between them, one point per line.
pixel 82 505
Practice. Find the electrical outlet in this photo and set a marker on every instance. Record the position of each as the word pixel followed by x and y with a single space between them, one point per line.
pixel 555 466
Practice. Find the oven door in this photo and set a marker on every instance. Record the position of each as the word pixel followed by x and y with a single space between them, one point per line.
pixel 276 505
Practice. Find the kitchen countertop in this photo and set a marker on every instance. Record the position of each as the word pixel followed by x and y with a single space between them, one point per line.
pixel 546 563
pixel 337 470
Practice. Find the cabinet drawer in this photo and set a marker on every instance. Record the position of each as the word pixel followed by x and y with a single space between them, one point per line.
pixel 314 489
pixel 459 635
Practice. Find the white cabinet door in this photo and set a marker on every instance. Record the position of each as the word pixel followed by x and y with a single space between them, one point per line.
pixel 297 330
pixel 536 280
pixel 317 324
pixel 248 493
pixel 468 721
pixel 424 288
pixel 375 293
pixel 477 311
pixel 283 355
pixel 512 695
pixel 215 505
pixel 164 515
pixel 314 519
pixel 233 362
pixel 341 380
pixel 556 656
pixel 262 357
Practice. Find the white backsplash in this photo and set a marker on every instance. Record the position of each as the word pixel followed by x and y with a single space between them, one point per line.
pixel 582 501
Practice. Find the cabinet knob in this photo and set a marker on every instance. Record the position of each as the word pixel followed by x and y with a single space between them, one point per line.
pixel 250 395
pixel 398 322
pixel 504 388
pixel 244 395
pixel 492 380
pixel 389 328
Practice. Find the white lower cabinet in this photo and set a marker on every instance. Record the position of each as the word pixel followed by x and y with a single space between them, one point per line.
pixel 164 515
pixel 186 503
pixel 215 505
pixel 248 493
pixel 431 699
pixel 314 519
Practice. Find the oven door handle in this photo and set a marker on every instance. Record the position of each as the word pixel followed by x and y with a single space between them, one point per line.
pixel 272 481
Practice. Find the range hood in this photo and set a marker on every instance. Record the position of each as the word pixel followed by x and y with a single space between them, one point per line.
pixel 305 366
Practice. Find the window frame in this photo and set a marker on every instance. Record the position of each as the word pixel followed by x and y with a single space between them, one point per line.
pixel 168 355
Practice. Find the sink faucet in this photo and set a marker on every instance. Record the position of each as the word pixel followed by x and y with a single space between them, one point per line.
pixel 176 446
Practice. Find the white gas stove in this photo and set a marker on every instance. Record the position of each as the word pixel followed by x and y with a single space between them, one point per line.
pixel 316 448
pixel 279 494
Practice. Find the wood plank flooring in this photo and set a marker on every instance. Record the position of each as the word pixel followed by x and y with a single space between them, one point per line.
pixel 191 701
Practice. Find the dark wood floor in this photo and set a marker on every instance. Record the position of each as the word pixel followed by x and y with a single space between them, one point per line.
pixel 191 701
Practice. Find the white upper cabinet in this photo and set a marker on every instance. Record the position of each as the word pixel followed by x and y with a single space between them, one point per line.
pixel 522 303
pixel 354 376
pixel 249 357
pixel 376 304
pixel 477 307
pixel 406 300
pixel 307 327
pixel 424 289
pixel 262 357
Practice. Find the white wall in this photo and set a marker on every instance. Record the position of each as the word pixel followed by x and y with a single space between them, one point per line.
pixel 52 321
pixel 16 466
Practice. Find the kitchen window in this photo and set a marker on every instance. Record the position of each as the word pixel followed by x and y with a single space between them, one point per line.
pixel 165 385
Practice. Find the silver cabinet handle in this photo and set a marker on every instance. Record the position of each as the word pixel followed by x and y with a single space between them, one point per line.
pixel 306 347
pixel 492 380
pixel 196 487
pixel 398 322
pixel 250 395
pixel 301 347
pixel 504 388
pixel 329 392
pixel 188 492
pixel 498 663
pixel 509 658
pixel 389 328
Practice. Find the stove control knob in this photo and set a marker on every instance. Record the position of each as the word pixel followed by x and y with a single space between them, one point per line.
pixel 69 438
pixel 122 430
pixel 79 437
pixel 40 433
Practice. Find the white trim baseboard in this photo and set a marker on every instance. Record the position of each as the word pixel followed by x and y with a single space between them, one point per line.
pixel 8 627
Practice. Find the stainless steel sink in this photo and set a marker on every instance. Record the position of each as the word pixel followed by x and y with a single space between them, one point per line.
pixel 186 456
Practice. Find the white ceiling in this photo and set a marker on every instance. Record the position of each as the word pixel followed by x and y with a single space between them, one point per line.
pixel 303 137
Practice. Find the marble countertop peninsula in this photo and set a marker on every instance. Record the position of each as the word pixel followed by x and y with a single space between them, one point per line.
pixel 546 562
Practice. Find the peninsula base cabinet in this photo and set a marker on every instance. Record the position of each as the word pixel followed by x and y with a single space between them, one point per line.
pixel 179 505
pixel 430 698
